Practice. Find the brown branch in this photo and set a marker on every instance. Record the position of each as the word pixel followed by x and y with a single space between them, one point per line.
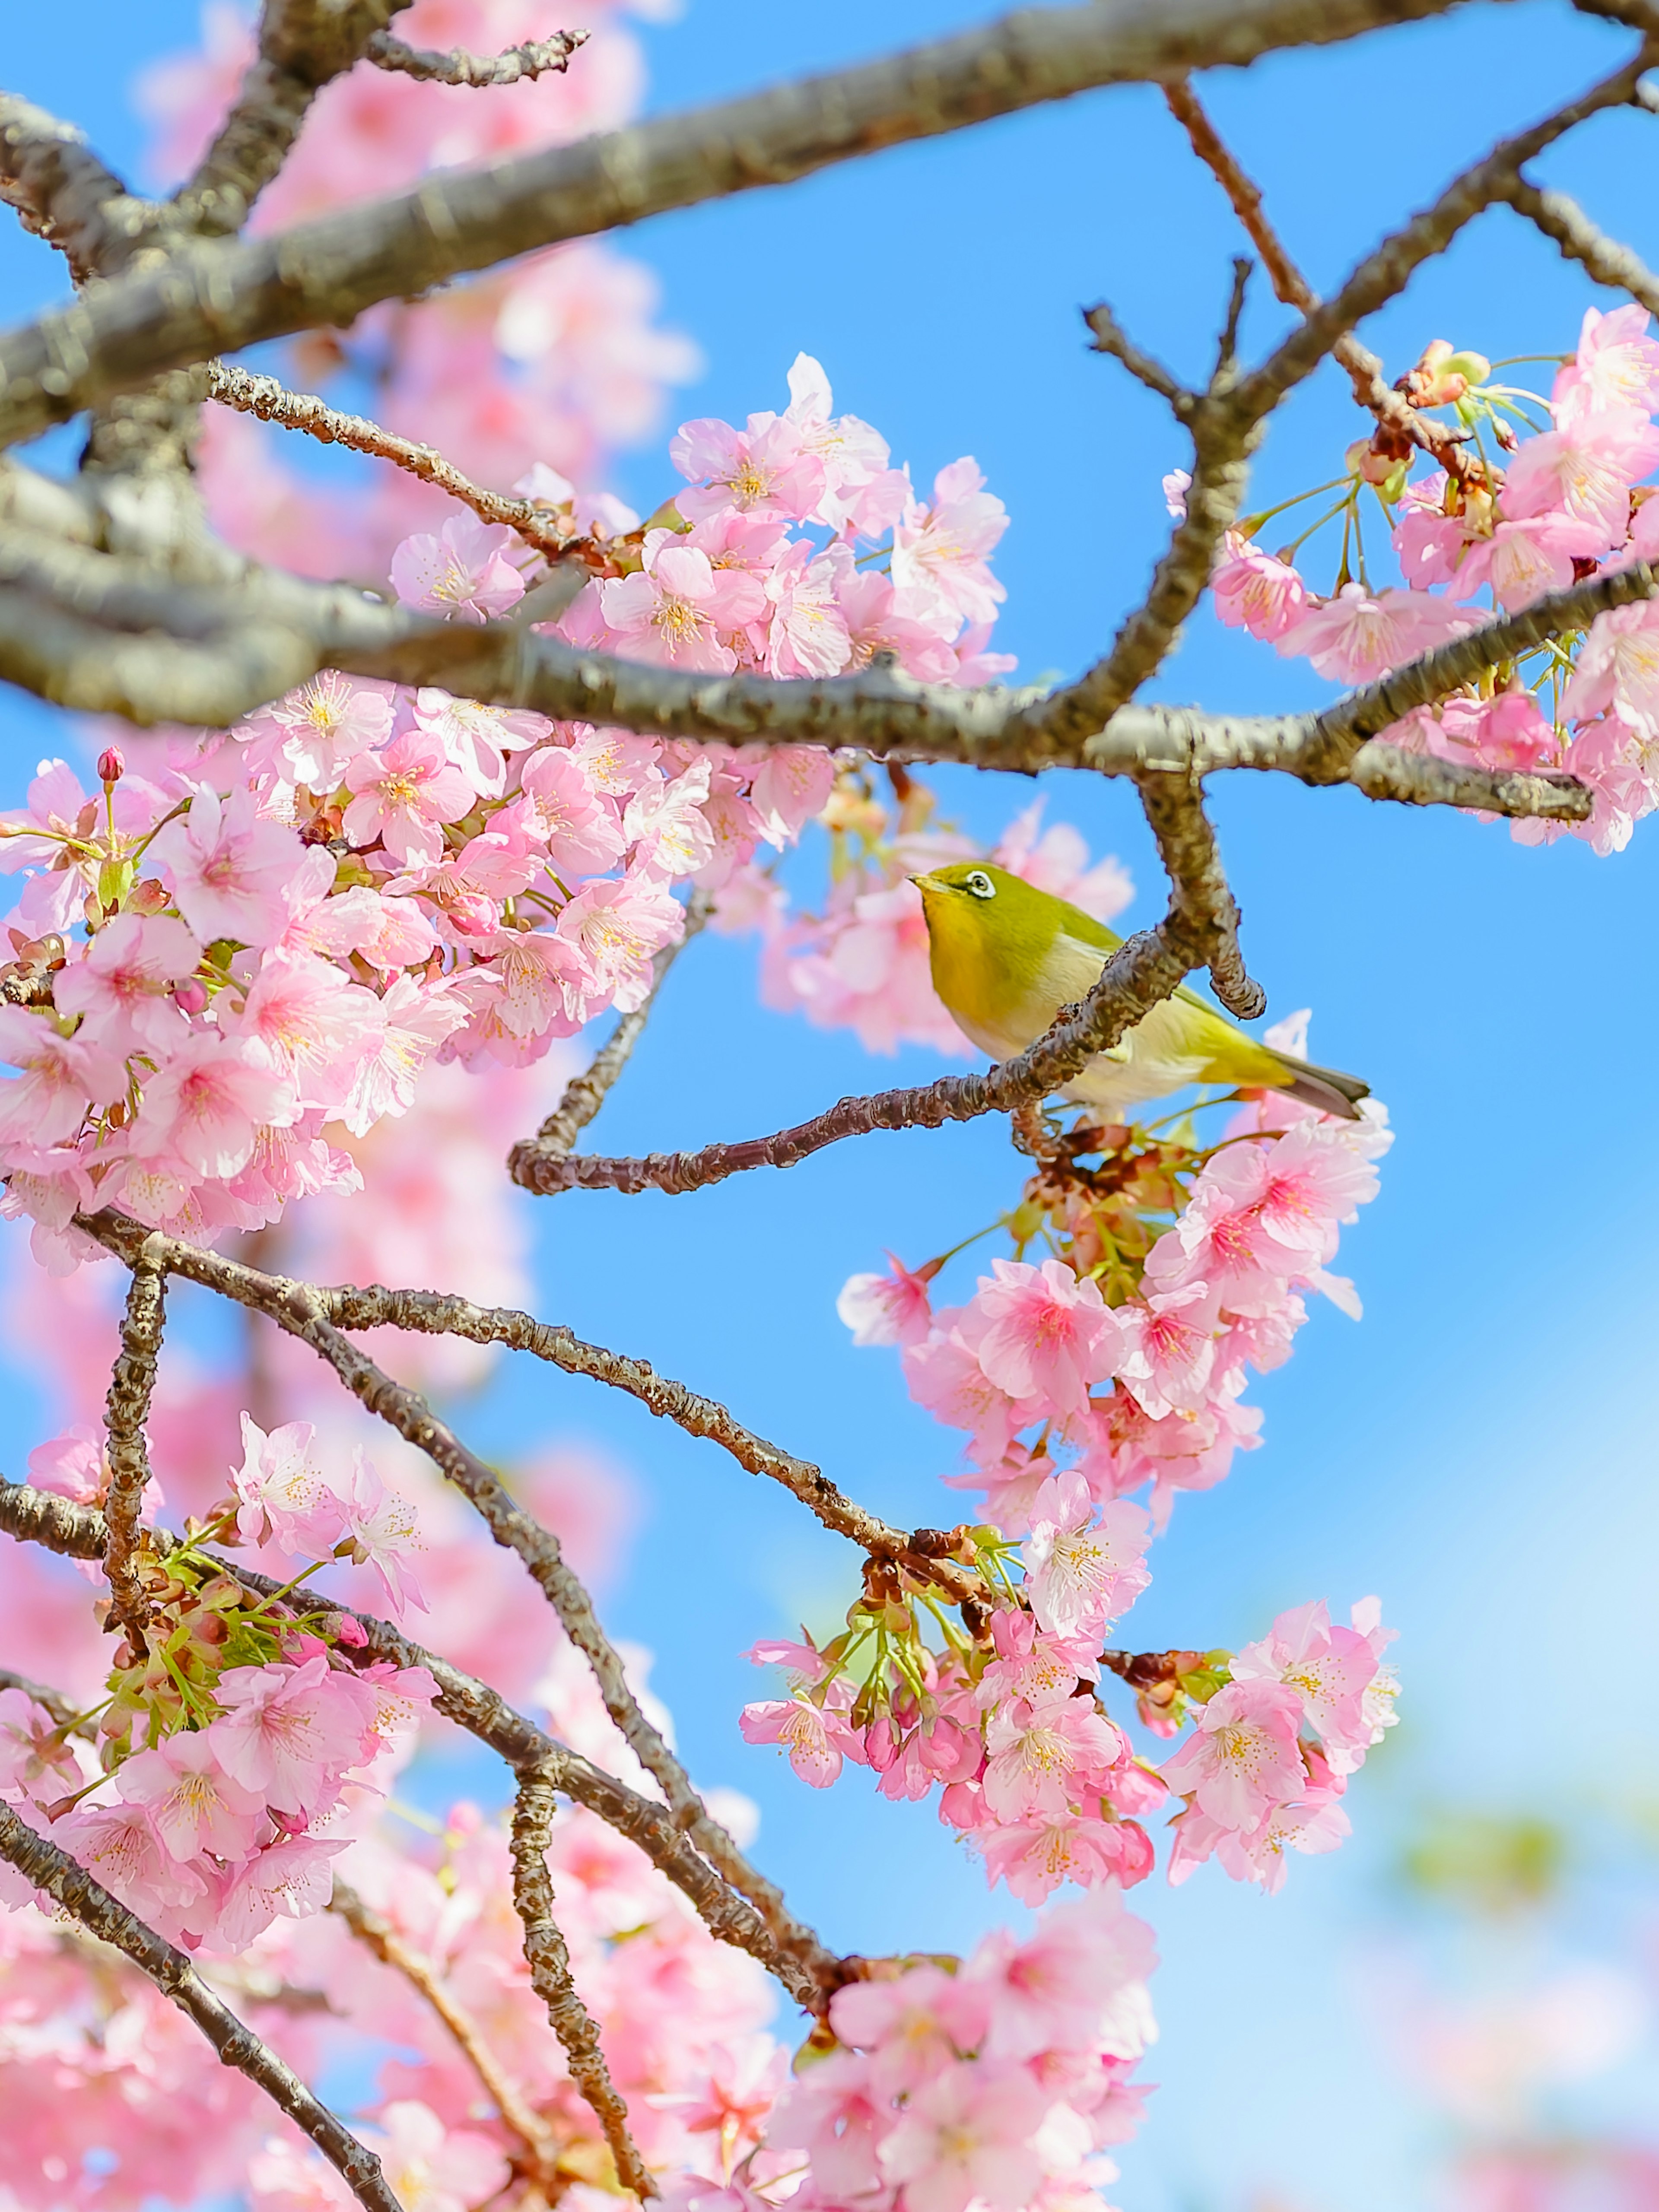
pixel 300 1309
pixel 585 1093
pixel 549 1960
pixel 1561 218
pixel 219 299
pixel 125 1412
pixel 1371 387
pixel 1111 338
pixel 804 1964
pixel 299 410
pixel 535 58
pixel 1186 846
pixel 73 1889
pixel 63 192
pixel 62 1709
pixel 377 1935
pixel 303 45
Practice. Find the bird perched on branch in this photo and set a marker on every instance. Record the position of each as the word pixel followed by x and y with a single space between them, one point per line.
pixel 1007 956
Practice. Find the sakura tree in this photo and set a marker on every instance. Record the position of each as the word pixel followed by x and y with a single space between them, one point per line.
pixel 384 796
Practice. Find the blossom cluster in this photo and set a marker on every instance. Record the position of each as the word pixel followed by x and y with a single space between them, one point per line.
pixel 274 933
pixel 1569 501
pixel 999 2084
pixel 233 1745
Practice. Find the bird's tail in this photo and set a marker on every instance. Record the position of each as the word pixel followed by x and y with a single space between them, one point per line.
pixel 1327 1088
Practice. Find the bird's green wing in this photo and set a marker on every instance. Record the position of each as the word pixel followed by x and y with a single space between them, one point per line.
pixel 1084 927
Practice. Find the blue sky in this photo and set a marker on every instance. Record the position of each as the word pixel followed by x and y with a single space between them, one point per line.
pixel 1481 1449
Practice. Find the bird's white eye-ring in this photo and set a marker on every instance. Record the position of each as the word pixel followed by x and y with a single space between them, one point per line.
pixel 980 884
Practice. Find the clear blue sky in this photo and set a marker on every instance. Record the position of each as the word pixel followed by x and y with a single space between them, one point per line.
pixel 1480 1449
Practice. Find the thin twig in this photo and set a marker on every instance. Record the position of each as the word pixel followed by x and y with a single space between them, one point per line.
pixel 376 1933
pixel 301 410
pixel 1111 338
pixel 125 1412
pixel 1186 846
pixel 549 1960
pixel 87 1901
pixel 535 58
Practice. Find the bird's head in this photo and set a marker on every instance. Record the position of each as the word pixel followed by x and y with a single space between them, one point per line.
pixel 974 903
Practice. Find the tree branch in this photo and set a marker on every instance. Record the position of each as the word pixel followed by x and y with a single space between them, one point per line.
pixel 1561 217
pixel 220 298
pixel 378 1935
pixel 62 191
pixel 124 1415
pixel 805 1966
pixel 549 1960
pixel 299 410
pixel 535 58
pixel 73 1889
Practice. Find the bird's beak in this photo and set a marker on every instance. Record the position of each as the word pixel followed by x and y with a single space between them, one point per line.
pixel 926 883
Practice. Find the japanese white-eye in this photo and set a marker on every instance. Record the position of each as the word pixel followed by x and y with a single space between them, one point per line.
pixel 1006 957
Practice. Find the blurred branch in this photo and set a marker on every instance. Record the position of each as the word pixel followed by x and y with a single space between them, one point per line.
pixel 1561 218
pixel 61 189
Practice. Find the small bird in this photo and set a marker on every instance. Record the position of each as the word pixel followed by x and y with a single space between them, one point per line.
pixel 1007 956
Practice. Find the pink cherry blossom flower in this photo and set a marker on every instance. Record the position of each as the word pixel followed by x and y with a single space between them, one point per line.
pixel 1330 1668
pixel 1034 1666
pixel 310 734
pixel 1524 560
pixel 463 570
pixel 438 2168
pixel 1047 1336
pixel 1241 1759
pixel 35 1761
pixel 805 1662
pixel 288 1733
pixel 230 869
pixel 1168 1349
pixel 204 1108
pixel 881 619
pixel 1617 366
pixel 862 496
pixel 616 927
pixel 943 1374
pixel 124 988
pixel 791 784
pixel 390 932
pixel 1617 669
pixel 561 808
pixel 806 634
pixel 940 553
pixel 283 1496
pixel 119 1845
pixel 664 825
pixel 913 2026
pixel 59 1076
pixel 833 2112
pixel 414 1018
pixel 304 1020
pixel 1253 591
pixel 967 2136
pixel 291 1878
pixel 767 469
pixel 381 1529
pixel 1078 1982
pixel 1585 469
pixel 889 1309
pixel 1359 636
pixel 195 1804
pixel 1057 860
pixel 679 609
pixel 1043 1759
pixel 476 737
pixel 403 795
pixel 819 1739
pixel 1175 487
pixel 1033 1857
pixel 1081 1573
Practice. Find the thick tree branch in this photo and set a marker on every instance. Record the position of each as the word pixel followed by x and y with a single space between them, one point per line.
pixel 549 1959
pixel 535 58
pixel 220 298
pixel 63 192
pixel 806 1968
pixel 73 1889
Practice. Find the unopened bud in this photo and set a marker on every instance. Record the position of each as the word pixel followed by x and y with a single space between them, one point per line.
pixel 190 997
pixel 111 766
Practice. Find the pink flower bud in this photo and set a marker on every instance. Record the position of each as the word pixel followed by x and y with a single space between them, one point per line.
pixel 190 997
pixel 881 1745
pixel 111 766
